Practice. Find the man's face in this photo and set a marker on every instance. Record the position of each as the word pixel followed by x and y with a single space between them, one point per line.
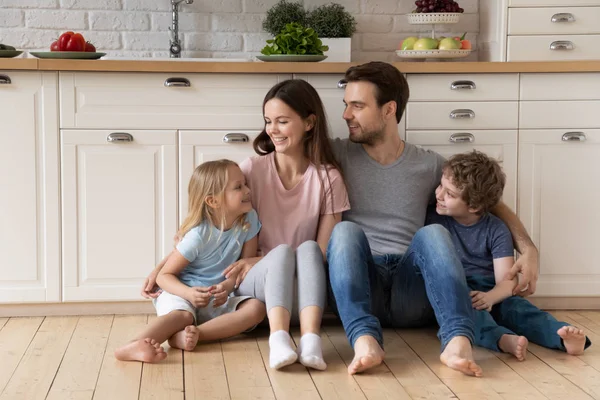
pixel 365 119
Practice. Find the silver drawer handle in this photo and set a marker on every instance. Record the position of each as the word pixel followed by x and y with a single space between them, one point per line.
pixel 563 17
pixel 5 80
pixel 460 85
pixel 118 137
pixel 462 138
pixel 573 137
pixel 236 138
pixel 562 45
pixel 342 84
pixel 177 82
pixel 462 114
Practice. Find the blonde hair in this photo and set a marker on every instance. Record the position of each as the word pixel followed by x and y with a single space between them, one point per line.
pixel 208 180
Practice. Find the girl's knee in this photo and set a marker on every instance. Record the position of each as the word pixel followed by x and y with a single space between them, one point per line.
pixel 184 316
pixel 257 311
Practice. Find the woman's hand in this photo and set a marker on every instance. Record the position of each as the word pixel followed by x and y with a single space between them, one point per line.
pixel 240 269
pixel 150 289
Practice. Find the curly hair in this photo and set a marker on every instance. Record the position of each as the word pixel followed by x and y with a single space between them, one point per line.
pixel 479 178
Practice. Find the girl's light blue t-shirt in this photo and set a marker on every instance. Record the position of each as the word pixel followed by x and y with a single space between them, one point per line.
pixel 210 251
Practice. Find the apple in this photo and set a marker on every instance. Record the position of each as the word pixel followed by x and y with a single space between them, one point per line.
pixel 425 44
pixel 466 44
pixel 408 43
pixel 449 44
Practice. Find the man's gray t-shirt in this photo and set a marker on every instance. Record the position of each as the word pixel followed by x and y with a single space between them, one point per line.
pixel 389 202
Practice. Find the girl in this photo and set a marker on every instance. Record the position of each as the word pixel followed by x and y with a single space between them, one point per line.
pixel 221 225
pixel 299 194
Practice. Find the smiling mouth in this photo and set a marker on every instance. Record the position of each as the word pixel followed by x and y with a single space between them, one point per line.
pixel 279 140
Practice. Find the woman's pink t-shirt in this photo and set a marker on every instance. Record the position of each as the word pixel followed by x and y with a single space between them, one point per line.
pixel 291 216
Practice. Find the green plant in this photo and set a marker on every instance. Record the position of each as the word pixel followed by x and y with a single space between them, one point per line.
pixel 281 14
pixel 295 39
pixel 332 21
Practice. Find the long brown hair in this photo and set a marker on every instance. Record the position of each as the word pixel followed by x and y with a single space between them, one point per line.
pixel 301 97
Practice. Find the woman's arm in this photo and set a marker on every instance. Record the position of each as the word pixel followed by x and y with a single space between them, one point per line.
pixel 326 224
pixel 527 263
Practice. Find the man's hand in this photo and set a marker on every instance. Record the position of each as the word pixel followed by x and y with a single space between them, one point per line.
pixel 480 300
pixel 150 289
pixel 528 266
pixel 240 269
pixel 198 296
pixel 219 293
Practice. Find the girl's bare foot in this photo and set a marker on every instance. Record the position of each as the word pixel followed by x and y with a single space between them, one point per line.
pixel 458 355
pixel 367 354
pixel 573 339
pixel 146 350
pixel 186 339
pixel 515 345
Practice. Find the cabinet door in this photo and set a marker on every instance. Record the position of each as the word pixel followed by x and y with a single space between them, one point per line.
pixel 119 192
pixel 559 193
pixel 29 204
pixel 501 145
pixel 196 147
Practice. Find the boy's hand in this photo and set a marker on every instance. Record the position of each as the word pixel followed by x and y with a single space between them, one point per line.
pixel 199 296
pixel 527 265
pixel 480 300
pixel 219 293
pixel 150 289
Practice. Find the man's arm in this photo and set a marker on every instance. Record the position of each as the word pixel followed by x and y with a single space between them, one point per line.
pixel 527 263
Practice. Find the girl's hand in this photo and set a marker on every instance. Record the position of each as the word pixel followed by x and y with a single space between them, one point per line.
pixel 240 269
pixel 198 296
pixel 219 293
pixel 150 289
pixel 480 301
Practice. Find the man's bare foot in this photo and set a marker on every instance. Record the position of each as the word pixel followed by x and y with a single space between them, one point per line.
pixel 186 339
pixel 458 355
pixel 146 350
pixel 515 345
pixel 573 339
pixel 367 354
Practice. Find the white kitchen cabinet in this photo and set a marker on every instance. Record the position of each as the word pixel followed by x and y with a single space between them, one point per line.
pixel 29 204
pixel 196 147
pixel 500 145
pixel 119 210
pixel 559 193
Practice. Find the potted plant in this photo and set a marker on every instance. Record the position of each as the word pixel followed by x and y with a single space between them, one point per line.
pixel 335 26
pixel 294 39
pixel 283 13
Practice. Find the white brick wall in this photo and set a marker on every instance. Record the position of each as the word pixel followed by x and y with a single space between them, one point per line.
pixel 208 28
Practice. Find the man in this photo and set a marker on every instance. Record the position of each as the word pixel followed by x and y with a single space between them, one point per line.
pixel 385 268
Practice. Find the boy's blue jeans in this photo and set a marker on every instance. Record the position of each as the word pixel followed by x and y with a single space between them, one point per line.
pixel 514 316
pixel 398 290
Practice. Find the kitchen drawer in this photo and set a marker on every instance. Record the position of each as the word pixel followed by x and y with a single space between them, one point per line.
pixel 457 87
pixel 552 3
pixel 559 114
pixel 563 86
pixel 482 115
pixel 537 48
pixel 146 101
pixel 552 21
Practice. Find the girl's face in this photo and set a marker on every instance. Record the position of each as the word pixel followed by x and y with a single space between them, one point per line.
pixel 237 194
pixel 285 127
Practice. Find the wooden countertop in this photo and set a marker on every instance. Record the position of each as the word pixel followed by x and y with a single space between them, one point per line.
pixel 149 65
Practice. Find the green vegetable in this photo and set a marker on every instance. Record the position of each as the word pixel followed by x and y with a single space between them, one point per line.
pixel 295 39
pixel 6 47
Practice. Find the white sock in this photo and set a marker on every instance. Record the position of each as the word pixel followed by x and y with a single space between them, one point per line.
pixel 281 351
pixel 310 351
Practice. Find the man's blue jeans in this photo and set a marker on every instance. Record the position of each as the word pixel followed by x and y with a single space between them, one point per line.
pixel 514 316
pixel 414 289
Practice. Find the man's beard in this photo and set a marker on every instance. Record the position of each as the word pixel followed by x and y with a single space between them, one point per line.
pixel 369 137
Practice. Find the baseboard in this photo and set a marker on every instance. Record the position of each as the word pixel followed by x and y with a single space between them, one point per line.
pixel 145 307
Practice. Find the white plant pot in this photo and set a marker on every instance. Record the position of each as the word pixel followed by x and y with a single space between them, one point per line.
pixel 340 49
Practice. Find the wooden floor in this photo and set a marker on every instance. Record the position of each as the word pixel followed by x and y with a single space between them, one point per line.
pixel 72 358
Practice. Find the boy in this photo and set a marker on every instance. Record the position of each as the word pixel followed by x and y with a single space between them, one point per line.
pixel 471 184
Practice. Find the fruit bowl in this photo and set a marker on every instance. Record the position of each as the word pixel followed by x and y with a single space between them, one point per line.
pixel 432 18
pixel 435 53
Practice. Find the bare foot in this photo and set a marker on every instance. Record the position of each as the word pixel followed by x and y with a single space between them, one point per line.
pixel 458 355
pixel 515 345
pixel 367 354
pixel 573 339
pixel 146 350
pixel 186 339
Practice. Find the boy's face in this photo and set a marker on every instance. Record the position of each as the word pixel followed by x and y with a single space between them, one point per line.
pixel 449 200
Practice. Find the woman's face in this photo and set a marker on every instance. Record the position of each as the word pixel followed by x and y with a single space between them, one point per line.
pixel 285 127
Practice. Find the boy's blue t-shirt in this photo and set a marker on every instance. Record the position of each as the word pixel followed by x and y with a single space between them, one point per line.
pixel 210 251
pixel 478 244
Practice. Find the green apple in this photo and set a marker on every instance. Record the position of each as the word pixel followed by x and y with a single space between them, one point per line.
pixel 449 44
pixel 408 43
pixel 425 44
